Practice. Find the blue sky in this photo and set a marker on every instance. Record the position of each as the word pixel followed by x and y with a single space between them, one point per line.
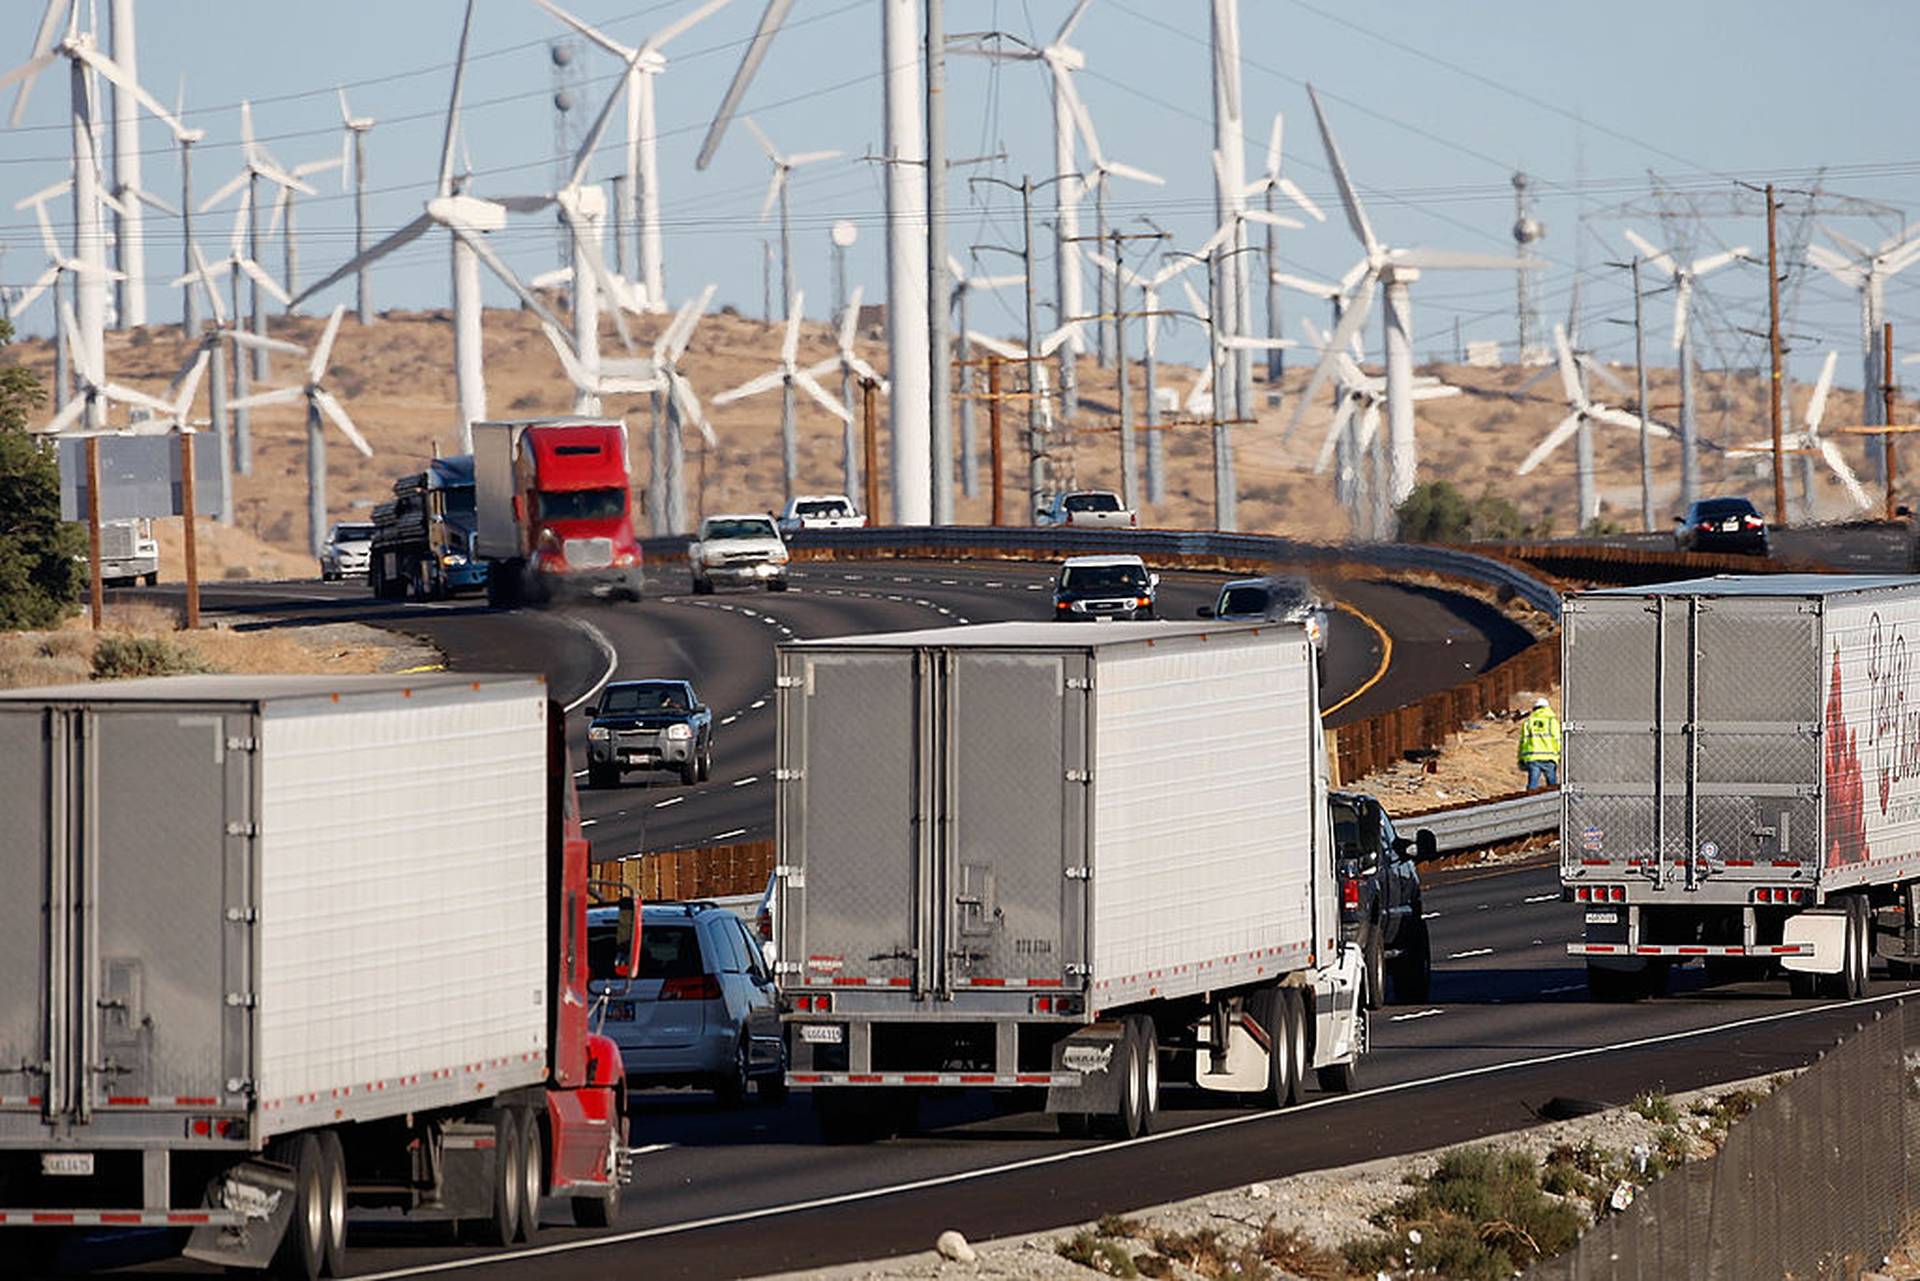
pixel 1435 106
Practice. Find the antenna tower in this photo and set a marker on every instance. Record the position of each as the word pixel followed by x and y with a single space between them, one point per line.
pixel 1526 230
pixel 569 128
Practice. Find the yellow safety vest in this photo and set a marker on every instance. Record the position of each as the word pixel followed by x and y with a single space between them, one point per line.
pixel 1540 736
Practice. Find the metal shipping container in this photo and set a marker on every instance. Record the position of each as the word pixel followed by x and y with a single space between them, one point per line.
pixel 1743 742
pixel 1129 811
pixel 262 898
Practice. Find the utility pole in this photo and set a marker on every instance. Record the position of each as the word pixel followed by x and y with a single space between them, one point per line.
pixel 1116 242
pixel 870 423
pixel 188 514
pixel 939 288
pixel 1887 391
pixel 1775 353
pixel 1640 379
pixel 95 604
pixel 993 427
pixel 619 227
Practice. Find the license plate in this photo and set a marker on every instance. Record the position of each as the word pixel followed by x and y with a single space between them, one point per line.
pixel 822 1033
pixel 67 1164
pixel 1730 526
pixel 1603 918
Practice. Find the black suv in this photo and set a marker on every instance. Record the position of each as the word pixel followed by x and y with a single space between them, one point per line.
pixel 658 724
pixel 1380 903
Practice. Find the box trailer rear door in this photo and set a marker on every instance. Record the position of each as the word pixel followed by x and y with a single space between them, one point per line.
pixel 142 954
pixel 1014 829
pixel 1693 726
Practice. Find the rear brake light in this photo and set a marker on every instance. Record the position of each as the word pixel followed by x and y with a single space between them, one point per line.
pixel 1783 894
pixel 1350 893
pixel 703 987
pixel 822 1004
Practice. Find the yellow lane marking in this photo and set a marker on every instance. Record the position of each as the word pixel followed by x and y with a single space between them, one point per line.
pixel 1386 659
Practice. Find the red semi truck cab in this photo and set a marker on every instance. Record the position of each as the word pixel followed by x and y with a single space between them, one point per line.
pixel 554 509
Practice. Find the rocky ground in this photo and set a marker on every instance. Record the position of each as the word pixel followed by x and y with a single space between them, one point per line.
pixel 1301 1226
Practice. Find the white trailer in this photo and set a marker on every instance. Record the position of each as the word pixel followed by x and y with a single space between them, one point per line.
pixel 1742 779
pixel 1028 855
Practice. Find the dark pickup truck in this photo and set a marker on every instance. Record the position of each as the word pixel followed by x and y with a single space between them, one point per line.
pixel 1380 904
pixel 652 724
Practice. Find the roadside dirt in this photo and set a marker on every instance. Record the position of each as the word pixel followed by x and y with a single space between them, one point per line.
pixel 1476 764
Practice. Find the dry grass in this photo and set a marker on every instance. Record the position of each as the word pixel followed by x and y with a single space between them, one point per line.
pixel 396 379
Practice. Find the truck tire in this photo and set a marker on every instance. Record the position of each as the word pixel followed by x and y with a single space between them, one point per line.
pixel 503 1220
pixel 706 762
pixel 777 585
pixel 1373 947
pixel 1412 970
pixel 690 770
pixel 1295 1007
pixel 333 1187
pixel 1270 1012
pixel 772 1088
pixel 302 1252
pixel 1140 1089
pixel 533 1183
pixel 1851 983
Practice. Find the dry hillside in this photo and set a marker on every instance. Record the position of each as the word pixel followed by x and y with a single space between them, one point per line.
pixel 396 379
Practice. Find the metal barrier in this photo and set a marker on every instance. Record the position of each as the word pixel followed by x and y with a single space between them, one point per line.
pixel 1818 1181
pixel 1473 827
pixel 1253 552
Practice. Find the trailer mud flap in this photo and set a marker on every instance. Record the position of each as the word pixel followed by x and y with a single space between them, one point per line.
pixel 262 1191
pixel 1098 1053
pixel 1826 930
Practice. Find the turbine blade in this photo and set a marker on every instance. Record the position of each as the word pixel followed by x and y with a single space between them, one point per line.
pixel 1837 464
pixel 114 72
pixel 1341 416
pixel 232 185
pixel 687 405
pixel 1461 260
pixel 1658 257
pixel 1682 296
pixel 1291 191
pixel 850 318
pixel 246 338
pixel 444 187
pixel 1714 262
pixel 658 40
pixel 773 191
pixel 1350 322
pixel 1554 439
pixel 484 252
pixel 1273 148
pixel 323 350
pixel 997 346
pixel 1356 214
pixel 1569 374
pixel 42 45
pixel 405 236
pixel 258 274
pixel 1316 288
pixel 811 157
pixel 337 412
pixel 563 348
pixel 829 403
pixel 278 396
pixel 1073 20
pixel 770 19
pixel 1119 170
pixel 1817 406
pixel 600 38
pixel 752 387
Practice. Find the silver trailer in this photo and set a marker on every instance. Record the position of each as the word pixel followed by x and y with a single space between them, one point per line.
pixel 1742 779
pixel 1021 855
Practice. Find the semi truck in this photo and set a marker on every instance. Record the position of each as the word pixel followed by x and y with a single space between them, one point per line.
pixel 1026 857
pixel 1742 780
pixel 423 540
pixel 129 553
pixel 278 948
pixel 553 510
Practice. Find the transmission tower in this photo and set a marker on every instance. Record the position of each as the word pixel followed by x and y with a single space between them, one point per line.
pixel 569 130
pixel 1526 230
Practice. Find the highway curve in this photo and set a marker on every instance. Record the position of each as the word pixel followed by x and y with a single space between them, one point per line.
pixel 752 1191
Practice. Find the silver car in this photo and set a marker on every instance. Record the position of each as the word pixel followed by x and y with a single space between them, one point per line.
pixel 344 555
pixel 702 1010
pixel 1275 599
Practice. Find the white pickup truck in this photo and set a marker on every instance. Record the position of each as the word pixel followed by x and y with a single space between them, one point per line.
pixel 821 511
pixel 1087 507
pixel 742 549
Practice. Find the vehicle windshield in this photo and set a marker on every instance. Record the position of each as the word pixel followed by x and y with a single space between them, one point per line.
pixel 583 504
pixel 826 508
pixel 666 951
pixel 1101 578
pixel 352 533
pixel 624 700
pixel 1720 508
pixel 746 528
pixel 457 502
pixel 1091 503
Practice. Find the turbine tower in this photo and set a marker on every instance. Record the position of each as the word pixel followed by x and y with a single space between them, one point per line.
pixel 1526 231
pixel 353 149
pixel 1868 270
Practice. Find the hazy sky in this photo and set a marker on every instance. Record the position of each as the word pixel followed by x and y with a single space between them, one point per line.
pixel 1435 106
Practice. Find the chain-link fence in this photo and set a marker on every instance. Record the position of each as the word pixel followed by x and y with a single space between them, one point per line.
pixel 1817 1182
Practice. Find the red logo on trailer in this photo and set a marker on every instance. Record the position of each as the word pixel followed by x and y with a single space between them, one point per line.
pixel 1846 782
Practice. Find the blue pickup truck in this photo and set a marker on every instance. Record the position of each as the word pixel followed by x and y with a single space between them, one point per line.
pixel 649 724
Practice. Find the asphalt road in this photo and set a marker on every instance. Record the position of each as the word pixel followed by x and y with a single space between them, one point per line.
pixel 752 1191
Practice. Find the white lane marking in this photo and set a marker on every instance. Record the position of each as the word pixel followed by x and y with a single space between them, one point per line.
pixel 1036 587
pixel 599 638
pixel 671 800
pixel 993 584
pixel 1107 1149
pixel 721 836
pixel 1417 1014
pixel 1472 951
pixel 588 822
pixel 1555 991
pixel 742 782
pixel 1428 916
pixel 651 1147
pixel 756 705
pixel 962 618
pixel 1541 898
pixel 580 773
pixel 949 582
pixel 728 720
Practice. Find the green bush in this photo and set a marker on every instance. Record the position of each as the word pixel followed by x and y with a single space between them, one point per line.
pixel 1480 1216
pixel 119 657
pixel 40 579
pixel 1436 512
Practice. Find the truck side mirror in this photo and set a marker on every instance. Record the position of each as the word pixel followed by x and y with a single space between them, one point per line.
pixel 626 938
pixel 1205 611
pixel 1153 580
pixel 1426 846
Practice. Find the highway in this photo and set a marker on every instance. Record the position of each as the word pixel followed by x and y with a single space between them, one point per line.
pixel 753 1191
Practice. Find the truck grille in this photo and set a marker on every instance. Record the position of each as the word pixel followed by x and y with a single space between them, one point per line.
pixel 744 558
pixel 117 542
pixel 589 553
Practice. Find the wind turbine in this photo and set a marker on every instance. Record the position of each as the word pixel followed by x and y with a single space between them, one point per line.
pixel 256 164
pixel 84 58
pixel 851 367
pixel 783 167
pixel 353 152
pixel 1149 286
pixel 683 407
pixel 1584 412
pixel 641 191
pixel 467 219
pixel 322 408
pixel 1808 441
pixel 909 349
pixel 186 138
pixel 1269 182
pixel 1095 180
pixel 1683 278
pixel 282 220
pixel 963 288
pixel 1868 270
pixel 236 265
pixel 1394 270
pixel 130 240
pixel 788 375
pixel 58 264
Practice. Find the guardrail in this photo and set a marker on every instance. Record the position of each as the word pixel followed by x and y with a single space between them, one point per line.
pixel 1252 553
pixel 1474 827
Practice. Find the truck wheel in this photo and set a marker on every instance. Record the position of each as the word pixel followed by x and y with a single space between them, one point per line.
pixel 500 1225
pixel 1850 984
pixel 1374 951
pixel 777 585
pixel 333 1187
pixel 690 770
pixel 1412 971
pixel 1344 1078
pixel 1270 1012
pixel 706 762
pixel 603 1210
pixel 1138 1087
pixel 1295 1006
pixel 151 580
pixel 532 1176
pixel 703 587
pixel 303 1249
